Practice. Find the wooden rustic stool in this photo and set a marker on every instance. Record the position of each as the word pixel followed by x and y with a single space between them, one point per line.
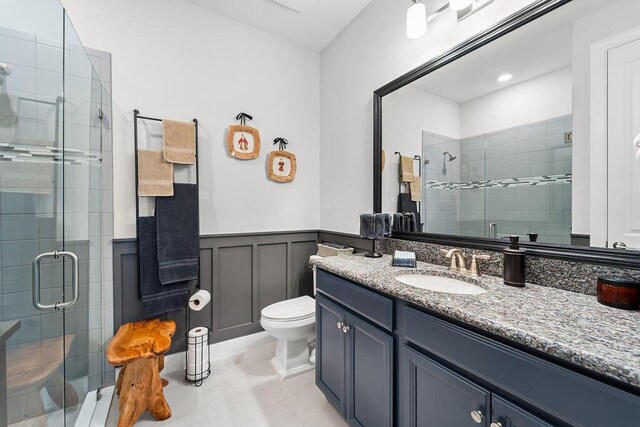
pixel 140 348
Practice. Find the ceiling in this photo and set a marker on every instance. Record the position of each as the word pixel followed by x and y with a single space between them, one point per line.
pixel 314 24
pixel 541 47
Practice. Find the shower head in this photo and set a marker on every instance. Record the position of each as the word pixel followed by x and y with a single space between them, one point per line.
pixel 5 70
pixel 451 156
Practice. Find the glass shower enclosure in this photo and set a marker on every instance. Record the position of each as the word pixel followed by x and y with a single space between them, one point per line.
pixel 54 113
pixel 515 181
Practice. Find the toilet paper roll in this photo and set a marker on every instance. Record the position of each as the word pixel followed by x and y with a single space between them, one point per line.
pixel 199 300
pixel 197 352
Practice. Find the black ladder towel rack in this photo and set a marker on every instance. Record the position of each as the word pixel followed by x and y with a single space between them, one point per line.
pixel 136 117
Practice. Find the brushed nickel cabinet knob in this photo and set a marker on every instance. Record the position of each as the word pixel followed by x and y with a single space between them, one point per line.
pixel 477 416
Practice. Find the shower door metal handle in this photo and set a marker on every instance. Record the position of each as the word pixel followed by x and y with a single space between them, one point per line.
pixel 75 285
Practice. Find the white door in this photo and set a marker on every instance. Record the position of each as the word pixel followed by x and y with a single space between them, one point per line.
pixel 623 174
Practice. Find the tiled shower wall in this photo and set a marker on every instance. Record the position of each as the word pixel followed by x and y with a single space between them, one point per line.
pixel 539 205
pixel 31 131
pixel 440 206
pixel 518 178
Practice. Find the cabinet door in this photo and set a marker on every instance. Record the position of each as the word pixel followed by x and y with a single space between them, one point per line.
pixel 506 414
pixel 369 374
pixel 433 395
pixel 330 352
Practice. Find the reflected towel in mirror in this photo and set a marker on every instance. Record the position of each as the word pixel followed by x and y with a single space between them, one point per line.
pixel 406 169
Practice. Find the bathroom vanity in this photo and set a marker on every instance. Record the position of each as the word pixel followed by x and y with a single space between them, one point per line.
pixel 391 354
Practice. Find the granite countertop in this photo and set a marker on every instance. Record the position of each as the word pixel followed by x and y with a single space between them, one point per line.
pixel 564 324
pixel 7 329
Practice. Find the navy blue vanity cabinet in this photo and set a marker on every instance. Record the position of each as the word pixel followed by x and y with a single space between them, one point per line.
pixel 369 374
pixel 553 392
pixel 506 414
pixel 445 374
pixel 355 349
pixel 330 352
pixel 433 395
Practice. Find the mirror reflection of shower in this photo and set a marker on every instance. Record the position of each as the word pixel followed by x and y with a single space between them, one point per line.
pixel 444 161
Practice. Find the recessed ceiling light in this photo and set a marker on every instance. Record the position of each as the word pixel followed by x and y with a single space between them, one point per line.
pixel 505 77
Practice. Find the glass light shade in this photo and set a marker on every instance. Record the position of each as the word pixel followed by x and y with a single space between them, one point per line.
pixel 460 4
pixel 416 20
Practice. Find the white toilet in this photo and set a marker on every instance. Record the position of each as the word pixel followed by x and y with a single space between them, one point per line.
pixel 293 324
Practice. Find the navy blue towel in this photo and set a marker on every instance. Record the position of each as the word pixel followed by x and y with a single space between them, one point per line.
pixel 398 222
pixel 178 232
pixel 410 222
pixel 156 298
pixel 373 226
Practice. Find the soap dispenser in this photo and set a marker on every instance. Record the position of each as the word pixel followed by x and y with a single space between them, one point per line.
pixel 514 263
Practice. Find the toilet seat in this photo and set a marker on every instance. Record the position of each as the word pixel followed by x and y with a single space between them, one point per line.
pixel 292 310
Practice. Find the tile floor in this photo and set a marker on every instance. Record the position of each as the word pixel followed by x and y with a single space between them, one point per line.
pixel 244 390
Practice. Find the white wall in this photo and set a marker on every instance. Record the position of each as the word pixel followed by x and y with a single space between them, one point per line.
pixel 175 60
pixel 370 52
pixel 615 19
pixel 408 112
pixel 535 100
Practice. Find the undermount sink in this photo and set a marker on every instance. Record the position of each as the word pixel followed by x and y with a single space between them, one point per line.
pixel 441 284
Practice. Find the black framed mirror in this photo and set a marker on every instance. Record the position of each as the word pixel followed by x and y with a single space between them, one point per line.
pixel 526 128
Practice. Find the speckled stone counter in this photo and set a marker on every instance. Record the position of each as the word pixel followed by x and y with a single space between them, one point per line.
pixel 567 325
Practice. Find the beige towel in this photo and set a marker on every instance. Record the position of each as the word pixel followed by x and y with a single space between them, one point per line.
pixel 416 189
pixel 406 168
pixel 155 176
pixel 179 140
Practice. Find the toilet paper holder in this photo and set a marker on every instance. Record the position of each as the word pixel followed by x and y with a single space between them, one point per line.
pixel 198 353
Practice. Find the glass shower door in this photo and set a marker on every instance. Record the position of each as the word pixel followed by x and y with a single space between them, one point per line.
pixel 82 225
pixel 50 216
pixel 31 193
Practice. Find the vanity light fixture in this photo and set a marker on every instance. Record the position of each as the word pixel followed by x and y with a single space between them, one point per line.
pixel 460 4
pixel 416 20
pixel 462 8
pixel 505 77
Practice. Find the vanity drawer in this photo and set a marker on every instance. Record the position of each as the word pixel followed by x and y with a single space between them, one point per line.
pixel 567 395
pixel 368 304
